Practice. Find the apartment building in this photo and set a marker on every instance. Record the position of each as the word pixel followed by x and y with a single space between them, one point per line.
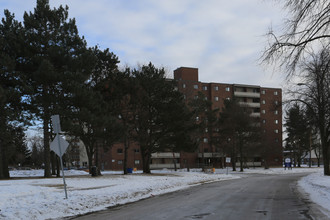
pixel 265 105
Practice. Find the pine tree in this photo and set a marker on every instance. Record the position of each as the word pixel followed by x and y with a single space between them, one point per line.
pixel 156 103
pixel 12 88
pixel 54 63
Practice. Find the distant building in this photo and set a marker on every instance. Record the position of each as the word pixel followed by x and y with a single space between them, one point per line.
pixel 265 103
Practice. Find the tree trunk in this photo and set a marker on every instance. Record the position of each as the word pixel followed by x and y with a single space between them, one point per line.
pixel 46 118
pixel 58 166
pixel 174 161
pixel 53 162
pixel 146 156
pixel 126 146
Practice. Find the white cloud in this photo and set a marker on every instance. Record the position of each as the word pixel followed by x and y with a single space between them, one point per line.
pixel 221 38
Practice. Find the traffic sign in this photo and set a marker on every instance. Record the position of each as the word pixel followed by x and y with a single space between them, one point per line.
pixel 54 146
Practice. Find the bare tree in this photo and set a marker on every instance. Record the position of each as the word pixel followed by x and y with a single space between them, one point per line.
pixel 305 28
pixel 315 94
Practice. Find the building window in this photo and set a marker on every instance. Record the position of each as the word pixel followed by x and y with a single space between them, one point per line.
pixel 216 98
pixel 206 130
pixel 263 111
pixel 275 93
pixel 216 88
pixel 183 85
pixel 263 101
pixel 276 121
pixel 119 150
pixel 205 88
pixel 276 131
pixel 197 118
pixel 205 140
pixel 136 150
pixel 228 98
pixel 205 98
pixel 227 89
pixel 276 102
pixel 136 162
pixel 120 162
pixel 263 92
pixel 276 140
pixel 195 86
pixel 264 121
pixel 196 97
pixel 184 97
pixel 276 112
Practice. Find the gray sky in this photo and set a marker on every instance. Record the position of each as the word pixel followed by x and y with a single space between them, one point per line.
pixel 224 39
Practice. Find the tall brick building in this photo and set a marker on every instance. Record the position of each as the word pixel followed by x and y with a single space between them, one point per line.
pixel 265 104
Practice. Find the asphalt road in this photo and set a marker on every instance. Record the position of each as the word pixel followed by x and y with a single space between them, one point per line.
pixel 255 197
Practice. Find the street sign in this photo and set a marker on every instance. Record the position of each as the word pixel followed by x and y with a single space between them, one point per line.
pixel 287 160
pixel 56 123
pixel 228 159
pixel 54 146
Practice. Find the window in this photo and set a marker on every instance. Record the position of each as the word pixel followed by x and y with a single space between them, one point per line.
pixel 276 112
pixel 119 150
pixel 216 98
pixel 227 89
pixel 120 162
pixel 263 101
pixel 276 131
pixel 195 86
pixel 276 140
pixel 264 121
pixel 196 97
pixel 184 97
pixel 205 98
pixel 183 85
pixel 206 150
pixel 263 111
pixel 205 140
pixel 276 121
pixel 275 93
pixel 206 130
pixel 136 162
pixel 197 118
pixel 263 92
pixel 136 150
pixel 276 102
pixel 228 98
pixel 205 88
pixel 216 88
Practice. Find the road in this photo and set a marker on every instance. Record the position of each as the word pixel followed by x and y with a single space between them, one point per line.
pixel 254 197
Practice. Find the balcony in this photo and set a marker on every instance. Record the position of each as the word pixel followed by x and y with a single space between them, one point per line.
pixel 247 94
pixel 250 104
pixel 210 155
pixel 255 114
pixel 164 166
pixel 164 155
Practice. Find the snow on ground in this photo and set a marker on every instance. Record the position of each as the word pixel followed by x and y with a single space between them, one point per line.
pixel 317 186
pixel 39 198
pixel 28 196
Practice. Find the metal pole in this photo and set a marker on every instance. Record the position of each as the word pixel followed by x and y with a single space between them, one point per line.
pixel 59 145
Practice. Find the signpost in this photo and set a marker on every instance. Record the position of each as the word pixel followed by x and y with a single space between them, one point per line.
pixel 287 164
pixel 59 145
pixel 228 159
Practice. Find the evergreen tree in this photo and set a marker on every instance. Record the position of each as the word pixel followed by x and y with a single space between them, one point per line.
pixel 93 112
pixel 240 129
pixel 298 132
pixel 12 88
pixel 156 103
pixel 55 62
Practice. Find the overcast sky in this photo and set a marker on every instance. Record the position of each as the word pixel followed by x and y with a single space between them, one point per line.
pixel 222 38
